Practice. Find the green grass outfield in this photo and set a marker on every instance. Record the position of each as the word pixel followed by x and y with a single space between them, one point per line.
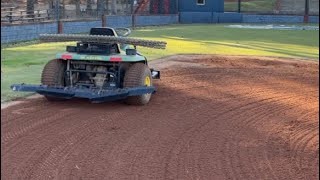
pixel 23 63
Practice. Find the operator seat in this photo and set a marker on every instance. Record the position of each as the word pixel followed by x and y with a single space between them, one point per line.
pixel 105 31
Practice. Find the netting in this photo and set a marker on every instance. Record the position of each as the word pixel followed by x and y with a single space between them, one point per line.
pixel 24 11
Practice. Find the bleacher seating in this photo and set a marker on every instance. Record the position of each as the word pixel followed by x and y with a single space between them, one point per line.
pixel 14 15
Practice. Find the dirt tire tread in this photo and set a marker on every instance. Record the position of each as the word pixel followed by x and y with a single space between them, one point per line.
pixel 134 77
pixel 53 75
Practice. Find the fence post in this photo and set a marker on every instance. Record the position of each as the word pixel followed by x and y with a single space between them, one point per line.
pixel 306 12
pixel 60 27
pixel 239 6
pixel 103 21
pixel 57 11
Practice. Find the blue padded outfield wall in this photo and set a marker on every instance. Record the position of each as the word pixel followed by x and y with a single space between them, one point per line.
pixel 247 18
pixel 16 33
pixel 213 17
pixel 314 19
pixel 156 20
pixel 25 32
pixel 210 17
pixel 271 18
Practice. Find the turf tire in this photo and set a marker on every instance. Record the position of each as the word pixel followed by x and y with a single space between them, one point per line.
pixel 53 75
pixel 135 77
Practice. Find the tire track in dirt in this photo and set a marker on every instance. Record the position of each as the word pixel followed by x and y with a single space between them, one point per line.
pixel 29 124
pixel 41 124
pixel 254 121
pixel 232 147
pixel 210 119
pixel 228 112
pixel 279 111
pixel 36 158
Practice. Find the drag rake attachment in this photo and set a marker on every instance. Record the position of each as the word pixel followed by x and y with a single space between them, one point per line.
pixel 102 39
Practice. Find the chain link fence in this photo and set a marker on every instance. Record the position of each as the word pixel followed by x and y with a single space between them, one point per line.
pixel 273 7
pixel 24 11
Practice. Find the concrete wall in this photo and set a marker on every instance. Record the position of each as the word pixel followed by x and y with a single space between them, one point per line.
pixel 15 33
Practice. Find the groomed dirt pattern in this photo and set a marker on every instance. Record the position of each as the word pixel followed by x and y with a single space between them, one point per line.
pixel 212 118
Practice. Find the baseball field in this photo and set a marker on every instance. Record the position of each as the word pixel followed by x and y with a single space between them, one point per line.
pixel 24 62
pixel 231 104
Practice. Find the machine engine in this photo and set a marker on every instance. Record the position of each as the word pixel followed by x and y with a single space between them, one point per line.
pixel 100 79
pixel 93 75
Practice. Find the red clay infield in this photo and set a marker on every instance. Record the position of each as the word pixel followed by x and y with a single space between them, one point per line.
pixel 213 117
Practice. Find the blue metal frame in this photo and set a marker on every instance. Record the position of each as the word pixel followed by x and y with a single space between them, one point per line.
pixel 94 95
